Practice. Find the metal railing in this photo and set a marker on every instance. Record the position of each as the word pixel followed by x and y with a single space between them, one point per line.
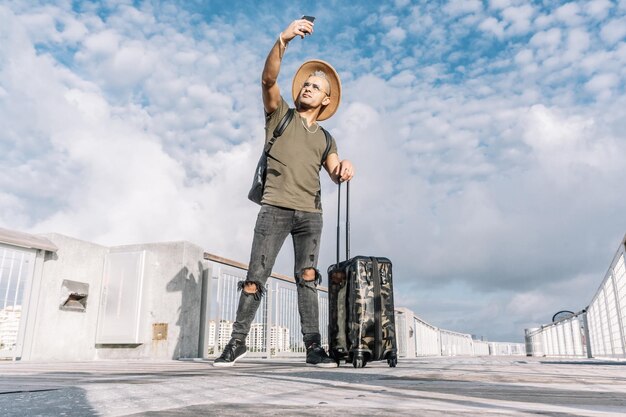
pixel 418 338
pixel 566 337
pixel 275 330
pixel 506 349
pixel 597 331
pixel 16 270
pixel 427 339
pixel 607 311
pixel 456 344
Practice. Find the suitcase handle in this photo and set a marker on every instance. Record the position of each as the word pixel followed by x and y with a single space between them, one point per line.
pixel 347 219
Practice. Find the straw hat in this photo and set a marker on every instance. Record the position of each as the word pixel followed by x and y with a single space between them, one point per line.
pixel 306 70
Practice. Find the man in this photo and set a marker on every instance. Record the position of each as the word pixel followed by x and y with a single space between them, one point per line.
pixel 291 201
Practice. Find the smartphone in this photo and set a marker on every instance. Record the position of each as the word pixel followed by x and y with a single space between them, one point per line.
pixel 310 19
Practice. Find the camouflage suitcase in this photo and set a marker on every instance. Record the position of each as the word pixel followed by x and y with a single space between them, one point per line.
pixel 361 325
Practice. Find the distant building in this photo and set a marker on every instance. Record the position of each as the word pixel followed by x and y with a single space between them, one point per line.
pixel 256 338
pixel 211 332
pixel 211 329
pixel 279 339
pixel 9 326
pixel 279 336
pixel 223 333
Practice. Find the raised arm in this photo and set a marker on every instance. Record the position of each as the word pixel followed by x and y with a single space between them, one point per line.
pixel 271 92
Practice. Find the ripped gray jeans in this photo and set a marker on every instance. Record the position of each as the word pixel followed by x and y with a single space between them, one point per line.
pixel 273 225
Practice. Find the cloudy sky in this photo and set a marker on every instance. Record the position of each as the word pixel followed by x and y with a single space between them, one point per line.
pixel 488 137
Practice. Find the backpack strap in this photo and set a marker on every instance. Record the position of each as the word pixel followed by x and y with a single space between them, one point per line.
pixel 279 130
pixel 329 140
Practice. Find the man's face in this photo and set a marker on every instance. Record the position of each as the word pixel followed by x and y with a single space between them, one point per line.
pixel 314 93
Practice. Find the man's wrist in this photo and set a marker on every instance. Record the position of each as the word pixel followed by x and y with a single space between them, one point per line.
pixel 282 42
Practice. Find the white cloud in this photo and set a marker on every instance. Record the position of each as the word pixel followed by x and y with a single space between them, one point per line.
pixel 537 306
pixel 91 106
pixel 578 42
pixel 543 21
pixel 598 9
pixel 598 61
pixel 461 7
pixel 614 31
pixel 492 25
pixel 12 207
pixel 549 134
pixel 389 21
pixel 602 84
pixel 110 161
pixel 499 4
pixel 418 22
pixel 565 145
pixel 524 57
pixel 99 45
pixel 569 14
pixel 546 42
pixel 519 19
pixel 396 35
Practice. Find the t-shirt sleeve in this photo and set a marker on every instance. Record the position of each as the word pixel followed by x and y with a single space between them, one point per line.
pixel 333 146
pixel 272 119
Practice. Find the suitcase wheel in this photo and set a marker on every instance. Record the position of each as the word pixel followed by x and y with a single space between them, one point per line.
pixel 358 361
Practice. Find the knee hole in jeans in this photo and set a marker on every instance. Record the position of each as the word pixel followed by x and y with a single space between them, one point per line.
pixel 253 288
pixel 309 274
pixel 309 277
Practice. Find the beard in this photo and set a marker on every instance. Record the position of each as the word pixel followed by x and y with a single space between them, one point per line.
pixel 303 105
pixel 300 105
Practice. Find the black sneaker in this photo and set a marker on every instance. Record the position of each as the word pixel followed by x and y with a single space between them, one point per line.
pixel 234 350
pixel 316 356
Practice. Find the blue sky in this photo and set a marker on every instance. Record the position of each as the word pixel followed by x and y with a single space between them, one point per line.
pixel 488 137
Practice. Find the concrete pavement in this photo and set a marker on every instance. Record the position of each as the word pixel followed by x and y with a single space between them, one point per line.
pixel 456 386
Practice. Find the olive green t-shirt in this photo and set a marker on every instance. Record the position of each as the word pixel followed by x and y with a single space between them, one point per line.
pixel 293 170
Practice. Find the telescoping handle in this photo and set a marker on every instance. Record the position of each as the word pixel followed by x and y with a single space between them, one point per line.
pixel 347 219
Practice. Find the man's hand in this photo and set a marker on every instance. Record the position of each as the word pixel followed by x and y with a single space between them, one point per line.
pixel 344 171
pixel 299 27
pixel 339 171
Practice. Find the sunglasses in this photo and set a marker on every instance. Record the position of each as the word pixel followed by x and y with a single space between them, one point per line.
pixel 314 87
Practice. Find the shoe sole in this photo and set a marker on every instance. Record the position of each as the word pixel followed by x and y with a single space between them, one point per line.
pixel 228 364
pixel 323 365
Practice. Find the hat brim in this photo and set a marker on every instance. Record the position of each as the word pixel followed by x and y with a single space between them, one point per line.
pixel 305 71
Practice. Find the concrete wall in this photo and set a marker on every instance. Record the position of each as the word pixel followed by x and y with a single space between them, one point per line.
pixel 55 334
pixel 172 295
